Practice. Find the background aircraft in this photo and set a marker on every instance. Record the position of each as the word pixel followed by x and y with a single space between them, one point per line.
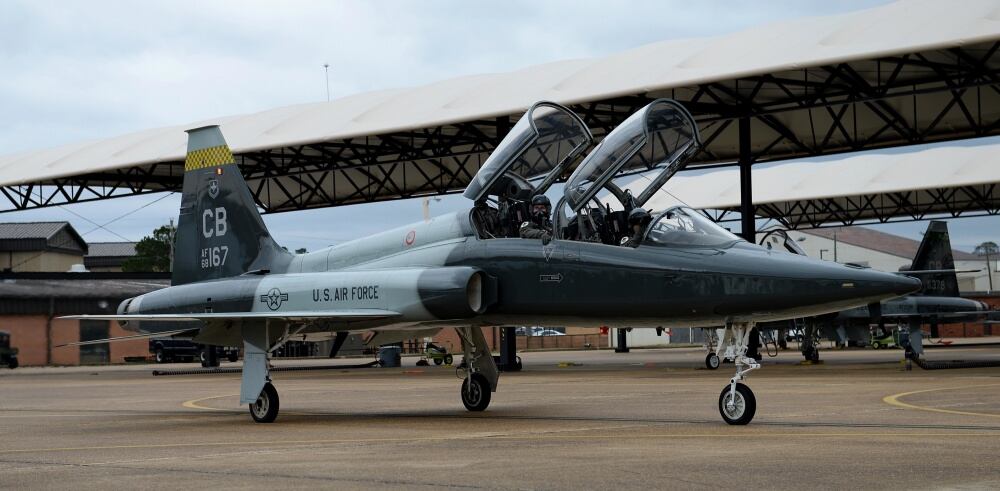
pixel 232 283
pixel 937 301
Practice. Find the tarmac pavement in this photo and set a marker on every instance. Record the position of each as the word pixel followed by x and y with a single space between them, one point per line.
pixel 570 420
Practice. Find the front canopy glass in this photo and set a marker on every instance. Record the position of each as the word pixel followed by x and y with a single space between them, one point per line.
pixel 681 226
pixel 661 135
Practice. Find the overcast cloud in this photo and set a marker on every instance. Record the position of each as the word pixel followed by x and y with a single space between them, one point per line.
pixel 84 70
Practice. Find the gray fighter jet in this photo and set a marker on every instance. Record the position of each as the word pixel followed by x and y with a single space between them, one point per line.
pixel 232 283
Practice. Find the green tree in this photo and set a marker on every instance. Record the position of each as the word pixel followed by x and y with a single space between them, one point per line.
pixel 152 253
pixel 988 249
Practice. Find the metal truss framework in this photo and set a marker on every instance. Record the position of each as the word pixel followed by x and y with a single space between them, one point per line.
pixel 964 201
pixel 890 101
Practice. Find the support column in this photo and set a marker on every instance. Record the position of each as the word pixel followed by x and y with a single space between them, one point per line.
pixel 508 349
pixel 746 188
pixel 622 345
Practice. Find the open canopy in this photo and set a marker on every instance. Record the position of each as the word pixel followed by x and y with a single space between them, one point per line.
pixel 661 135
pixel 543 144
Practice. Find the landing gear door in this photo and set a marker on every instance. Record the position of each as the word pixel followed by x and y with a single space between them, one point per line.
pixel 660 137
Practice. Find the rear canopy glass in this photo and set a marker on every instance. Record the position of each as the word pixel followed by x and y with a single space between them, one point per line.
pixel 540 146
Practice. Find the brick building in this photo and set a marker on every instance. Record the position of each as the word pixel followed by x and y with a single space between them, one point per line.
pixel 29 307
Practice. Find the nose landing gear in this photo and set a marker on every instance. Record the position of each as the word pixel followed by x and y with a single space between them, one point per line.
pixel 481 372
pixel 737 403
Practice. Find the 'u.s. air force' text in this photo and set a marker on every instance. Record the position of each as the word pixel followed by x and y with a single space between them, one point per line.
pixel 342 294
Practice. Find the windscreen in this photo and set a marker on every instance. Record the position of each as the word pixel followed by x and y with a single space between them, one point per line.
pixel 662 134
pixel 685 227
pixel 539 147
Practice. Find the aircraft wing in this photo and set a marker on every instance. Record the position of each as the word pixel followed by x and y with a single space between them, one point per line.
pixel 355 314
pixel 162 334
pixel 941 315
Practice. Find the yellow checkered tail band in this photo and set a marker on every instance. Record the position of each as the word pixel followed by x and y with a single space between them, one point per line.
pixel 208 157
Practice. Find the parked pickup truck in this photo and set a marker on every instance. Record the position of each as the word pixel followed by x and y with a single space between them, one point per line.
pixel 166 350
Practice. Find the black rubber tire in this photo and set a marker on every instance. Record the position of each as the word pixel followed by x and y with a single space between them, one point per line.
pixel 13 363
pixel 480 397
pixel 814 355
pixel 448 359
pixel 422 363
pixel 203 358
pixel 712 361
pixel 233 357
pixel 159 356
pixel 438 361
pixel 748 409
pixel 875 345
pixel 265 409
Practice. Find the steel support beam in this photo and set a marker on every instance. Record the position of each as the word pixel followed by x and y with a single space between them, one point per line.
pixel 747 217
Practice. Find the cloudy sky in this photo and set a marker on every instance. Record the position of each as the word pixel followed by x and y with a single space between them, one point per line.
pixel 85 70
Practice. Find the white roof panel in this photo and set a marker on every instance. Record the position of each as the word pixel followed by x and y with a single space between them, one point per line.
pixel 905 26
pixel 935 166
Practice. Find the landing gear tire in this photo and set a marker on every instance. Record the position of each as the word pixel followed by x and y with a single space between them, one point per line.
pixel 476 392
pixel 712 361
pixel 875 346
pixel 233 357
pixel 811 355
pixel 438 361
pixel 206 362
pixel 738 409
pixel 265 409
pixel 159 356
pixel 12 364
pixel 448 359
pixel 422 363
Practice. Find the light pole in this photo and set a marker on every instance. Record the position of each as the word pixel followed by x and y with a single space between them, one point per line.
pixel 326 72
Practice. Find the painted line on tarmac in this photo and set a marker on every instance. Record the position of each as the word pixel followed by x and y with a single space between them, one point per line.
pixel 894 400
pixel 195 404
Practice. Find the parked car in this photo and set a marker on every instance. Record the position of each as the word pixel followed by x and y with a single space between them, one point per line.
pixel 549 332
pixel 166 350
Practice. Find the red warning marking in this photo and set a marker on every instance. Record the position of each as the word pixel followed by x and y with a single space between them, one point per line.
pixel 410 237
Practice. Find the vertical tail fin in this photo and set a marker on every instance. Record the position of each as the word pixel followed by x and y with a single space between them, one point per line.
pixel 219 232
pixel 934 253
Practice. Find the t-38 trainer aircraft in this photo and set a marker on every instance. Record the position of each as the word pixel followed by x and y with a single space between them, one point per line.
pixel 233 284
pixel 938 301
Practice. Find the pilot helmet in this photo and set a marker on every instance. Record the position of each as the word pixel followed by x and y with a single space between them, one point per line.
pixel 638 216
pixel 540 204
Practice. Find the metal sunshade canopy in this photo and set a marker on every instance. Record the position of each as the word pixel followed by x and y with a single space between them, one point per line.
pixel 900 74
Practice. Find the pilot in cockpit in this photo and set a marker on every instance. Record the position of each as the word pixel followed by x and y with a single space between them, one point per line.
pixel 540 224
pixel 638 219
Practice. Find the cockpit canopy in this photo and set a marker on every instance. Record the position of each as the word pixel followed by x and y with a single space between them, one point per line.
pixel 538 149
pixel 661 135
pixel 682 226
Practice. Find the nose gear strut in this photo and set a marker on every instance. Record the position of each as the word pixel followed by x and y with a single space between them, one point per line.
pixel 737 403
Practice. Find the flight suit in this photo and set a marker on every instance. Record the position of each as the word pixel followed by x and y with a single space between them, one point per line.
pixel 532 230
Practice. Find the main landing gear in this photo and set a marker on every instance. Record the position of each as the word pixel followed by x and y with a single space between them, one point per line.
pixel 737 404
pixel 256 390
pixel 480 371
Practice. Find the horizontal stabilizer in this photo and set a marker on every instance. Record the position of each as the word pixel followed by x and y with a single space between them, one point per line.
pixel 936 271
pixel 163 334
pixel 356 314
